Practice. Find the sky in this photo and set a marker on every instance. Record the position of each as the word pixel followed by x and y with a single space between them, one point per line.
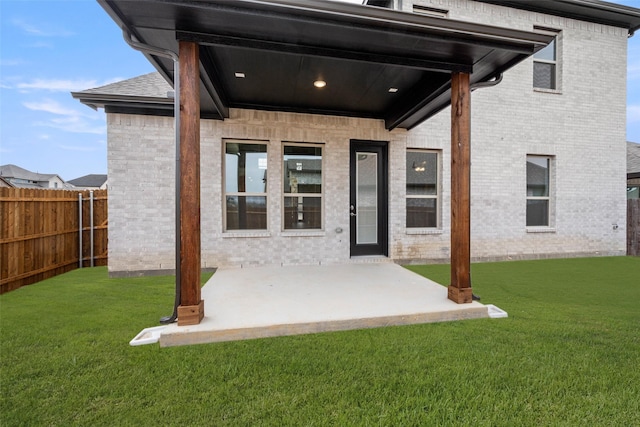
pixel 49 48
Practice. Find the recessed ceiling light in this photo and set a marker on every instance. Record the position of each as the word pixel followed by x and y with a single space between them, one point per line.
pixel 240 75
pixel 319 83
pixel 393 89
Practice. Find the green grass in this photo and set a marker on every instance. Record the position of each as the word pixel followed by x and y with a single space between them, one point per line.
pixel 569 354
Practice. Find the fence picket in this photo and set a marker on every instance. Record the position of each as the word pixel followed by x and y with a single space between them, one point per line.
pixel 39 234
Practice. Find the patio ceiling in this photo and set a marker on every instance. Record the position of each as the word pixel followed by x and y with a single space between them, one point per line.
pixel 376 63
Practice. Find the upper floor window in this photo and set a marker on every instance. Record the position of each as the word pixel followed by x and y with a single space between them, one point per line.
pixel 245 185
pixel 302 165
pixel 538 191
pixel 546 66
pixel 423 192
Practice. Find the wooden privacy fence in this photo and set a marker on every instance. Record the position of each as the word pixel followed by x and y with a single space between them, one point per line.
pixel 40 233
pixel 633 227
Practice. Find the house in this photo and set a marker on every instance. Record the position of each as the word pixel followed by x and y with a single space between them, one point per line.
pixel 23 178
pixel 90 182
pixel 633 170
pixel 315 132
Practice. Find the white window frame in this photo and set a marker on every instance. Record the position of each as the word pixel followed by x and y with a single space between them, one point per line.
pixel 317 195
pixel 239 193
pixel 437 196
pixel 549 197
pixel 556 62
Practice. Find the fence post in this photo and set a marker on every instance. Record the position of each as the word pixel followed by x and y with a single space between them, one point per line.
pixel 91 224
pixel 80 229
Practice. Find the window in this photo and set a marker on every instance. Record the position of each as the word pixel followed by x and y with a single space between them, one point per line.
pixel 302 166
pixel 422 189
pixel 545 65
pixel 245 185
pixel 538 191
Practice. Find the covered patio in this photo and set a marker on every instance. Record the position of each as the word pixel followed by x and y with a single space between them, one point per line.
pixel 313 57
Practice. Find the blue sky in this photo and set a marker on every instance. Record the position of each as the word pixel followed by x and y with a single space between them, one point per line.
pixel 49 48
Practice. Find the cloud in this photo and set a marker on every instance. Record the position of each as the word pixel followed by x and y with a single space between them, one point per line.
pixel 40 31
pixel 63 85
pixel 633 113
pixel 68 119
pixel 51 106
pixel 11 62
pixel 76 125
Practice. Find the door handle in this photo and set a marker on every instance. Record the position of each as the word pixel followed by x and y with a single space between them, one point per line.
pixel 352 214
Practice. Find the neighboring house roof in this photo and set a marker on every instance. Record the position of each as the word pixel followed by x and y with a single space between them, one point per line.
pixel 633 160
pixel 89 181
pixel 5 182
pixel 16 175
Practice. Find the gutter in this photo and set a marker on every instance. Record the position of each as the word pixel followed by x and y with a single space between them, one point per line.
pixel 152 50
pixel 489 83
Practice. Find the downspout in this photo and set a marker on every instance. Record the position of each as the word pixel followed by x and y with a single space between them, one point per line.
pixel 176 116
pixel 490 83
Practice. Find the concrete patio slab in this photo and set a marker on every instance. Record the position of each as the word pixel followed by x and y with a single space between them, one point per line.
pixel 259 302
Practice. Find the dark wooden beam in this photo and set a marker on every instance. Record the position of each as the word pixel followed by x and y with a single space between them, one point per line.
pixel 460 288
pixel 191 308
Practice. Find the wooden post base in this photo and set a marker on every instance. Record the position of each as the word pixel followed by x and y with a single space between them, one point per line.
pixel 190 314
pixel 459 296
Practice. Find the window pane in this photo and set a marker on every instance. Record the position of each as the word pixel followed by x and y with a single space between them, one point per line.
pixel 422 171
pixel 302 169
pixel 548 53
pixel 366 198
pixel 246 168
pixel 537 212
pixel 302 212
pixel 422 213
pixel 246 212
pixel 537 176
pixel 544 75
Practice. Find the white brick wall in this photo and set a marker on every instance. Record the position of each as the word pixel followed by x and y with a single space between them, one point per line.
pixel 583 127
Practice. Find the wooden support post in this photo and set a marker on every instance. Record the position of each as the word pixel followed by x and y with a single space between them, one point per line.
pixel 460 288
pixel 191 308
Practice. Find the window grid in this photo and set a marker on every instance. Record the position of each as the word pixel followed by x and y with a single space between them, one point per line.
pixel 547 61
pixel 539 191
pixel 305 214
pixel 244 209
pixel 416 165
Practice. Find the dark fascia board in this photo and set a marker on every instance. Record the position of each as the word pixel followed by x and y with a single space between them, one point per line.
pixel 596 11
pixel 97 100
pixel 132 104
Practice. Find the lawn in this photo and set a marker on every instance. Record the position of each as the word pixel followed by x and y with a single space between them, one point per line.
pixel 569 354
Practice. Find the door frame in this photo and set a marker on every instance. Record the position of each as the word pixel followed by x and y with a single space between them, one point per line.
pixel 382 149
